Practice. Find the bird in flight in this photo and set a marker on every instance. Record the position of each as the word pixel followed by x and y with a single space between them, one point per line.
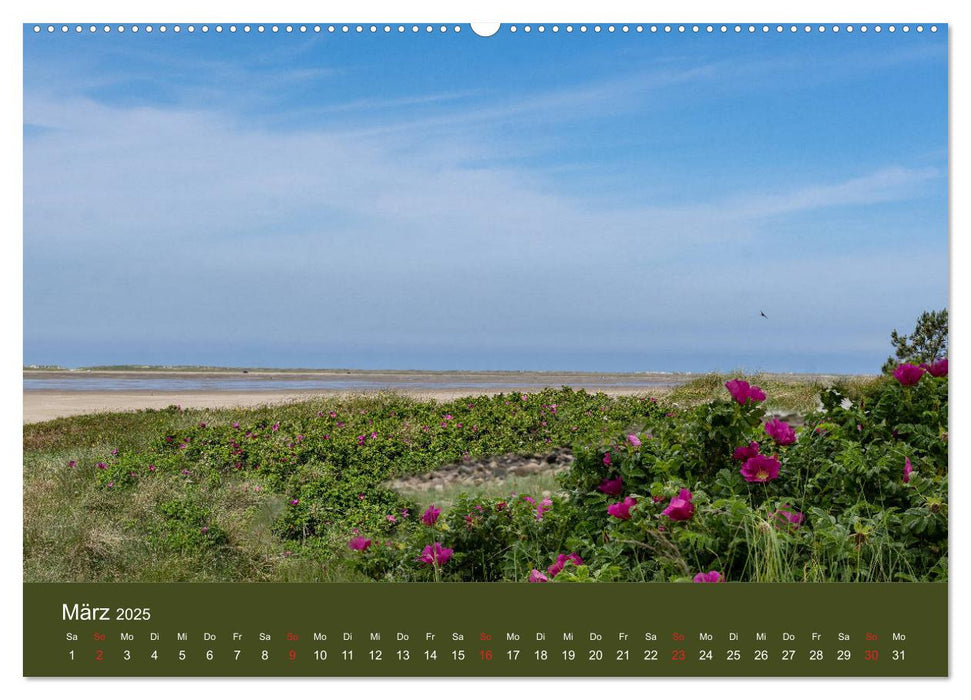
pixel 763 315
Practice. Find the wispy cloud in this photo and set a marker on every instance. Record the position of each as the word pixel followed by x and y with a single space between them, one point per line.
pixel 438 217
pixel 188 172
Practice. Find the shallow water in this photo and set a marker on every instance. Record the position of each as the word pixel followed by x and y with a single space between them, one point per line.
pixel 203 384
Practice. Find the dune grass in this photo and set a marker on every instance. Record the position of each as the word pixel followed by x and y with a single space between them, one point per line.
pixel 227 526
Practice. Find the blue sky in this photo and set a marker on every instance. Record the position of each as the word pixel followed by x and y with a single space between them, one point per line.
pixel 592 202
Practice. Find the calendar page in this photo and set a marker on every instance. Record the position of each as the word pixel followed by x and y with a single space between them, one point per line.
pixel 436 349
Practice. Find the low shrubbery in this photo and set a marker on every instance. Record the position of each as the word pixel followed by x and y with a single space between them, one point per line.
pixel 658 491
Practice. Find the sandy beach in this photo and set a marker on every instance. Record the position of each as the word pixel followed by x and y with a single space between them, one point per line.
pixel 47 404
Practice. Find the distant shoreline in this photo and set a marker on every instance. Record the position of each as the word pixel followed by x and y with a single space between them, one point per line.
pixel 373 374
pixel 326 371
pixel 146 389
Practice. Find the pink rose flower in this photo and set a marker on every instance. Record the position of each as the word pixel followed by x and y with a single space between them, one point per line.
pixel 747 452
pixel 760 468
pixel 612 487
pixel 430 516
pixel 537 576
pixel 680 507
pixel 780 431
pixel 359 544
pixel 938 368
pixel 742 391
pixel 907 470
pixel 908 374
pixel 789 517
pixel 710 577
pixel 621 509
pixel 561 560
pixel 545 505
pixel 435 554
pixel 634 440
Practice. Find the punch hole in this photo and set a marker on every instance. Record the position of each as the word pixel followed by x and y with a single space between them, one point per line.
pixel 484 29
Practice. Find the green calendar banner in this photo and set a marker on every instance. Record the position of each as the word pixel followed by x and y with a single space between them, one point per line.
pixel 485 630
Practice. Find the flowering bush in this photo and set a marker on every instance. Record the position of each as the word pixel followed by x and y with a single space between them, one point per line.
pixel 860 495
pixel 856 491
pixel 908 375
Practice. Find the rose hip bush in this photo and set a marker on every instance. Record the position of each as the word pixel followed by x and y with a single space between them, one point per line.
pixel 719 492
pixel 859 492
